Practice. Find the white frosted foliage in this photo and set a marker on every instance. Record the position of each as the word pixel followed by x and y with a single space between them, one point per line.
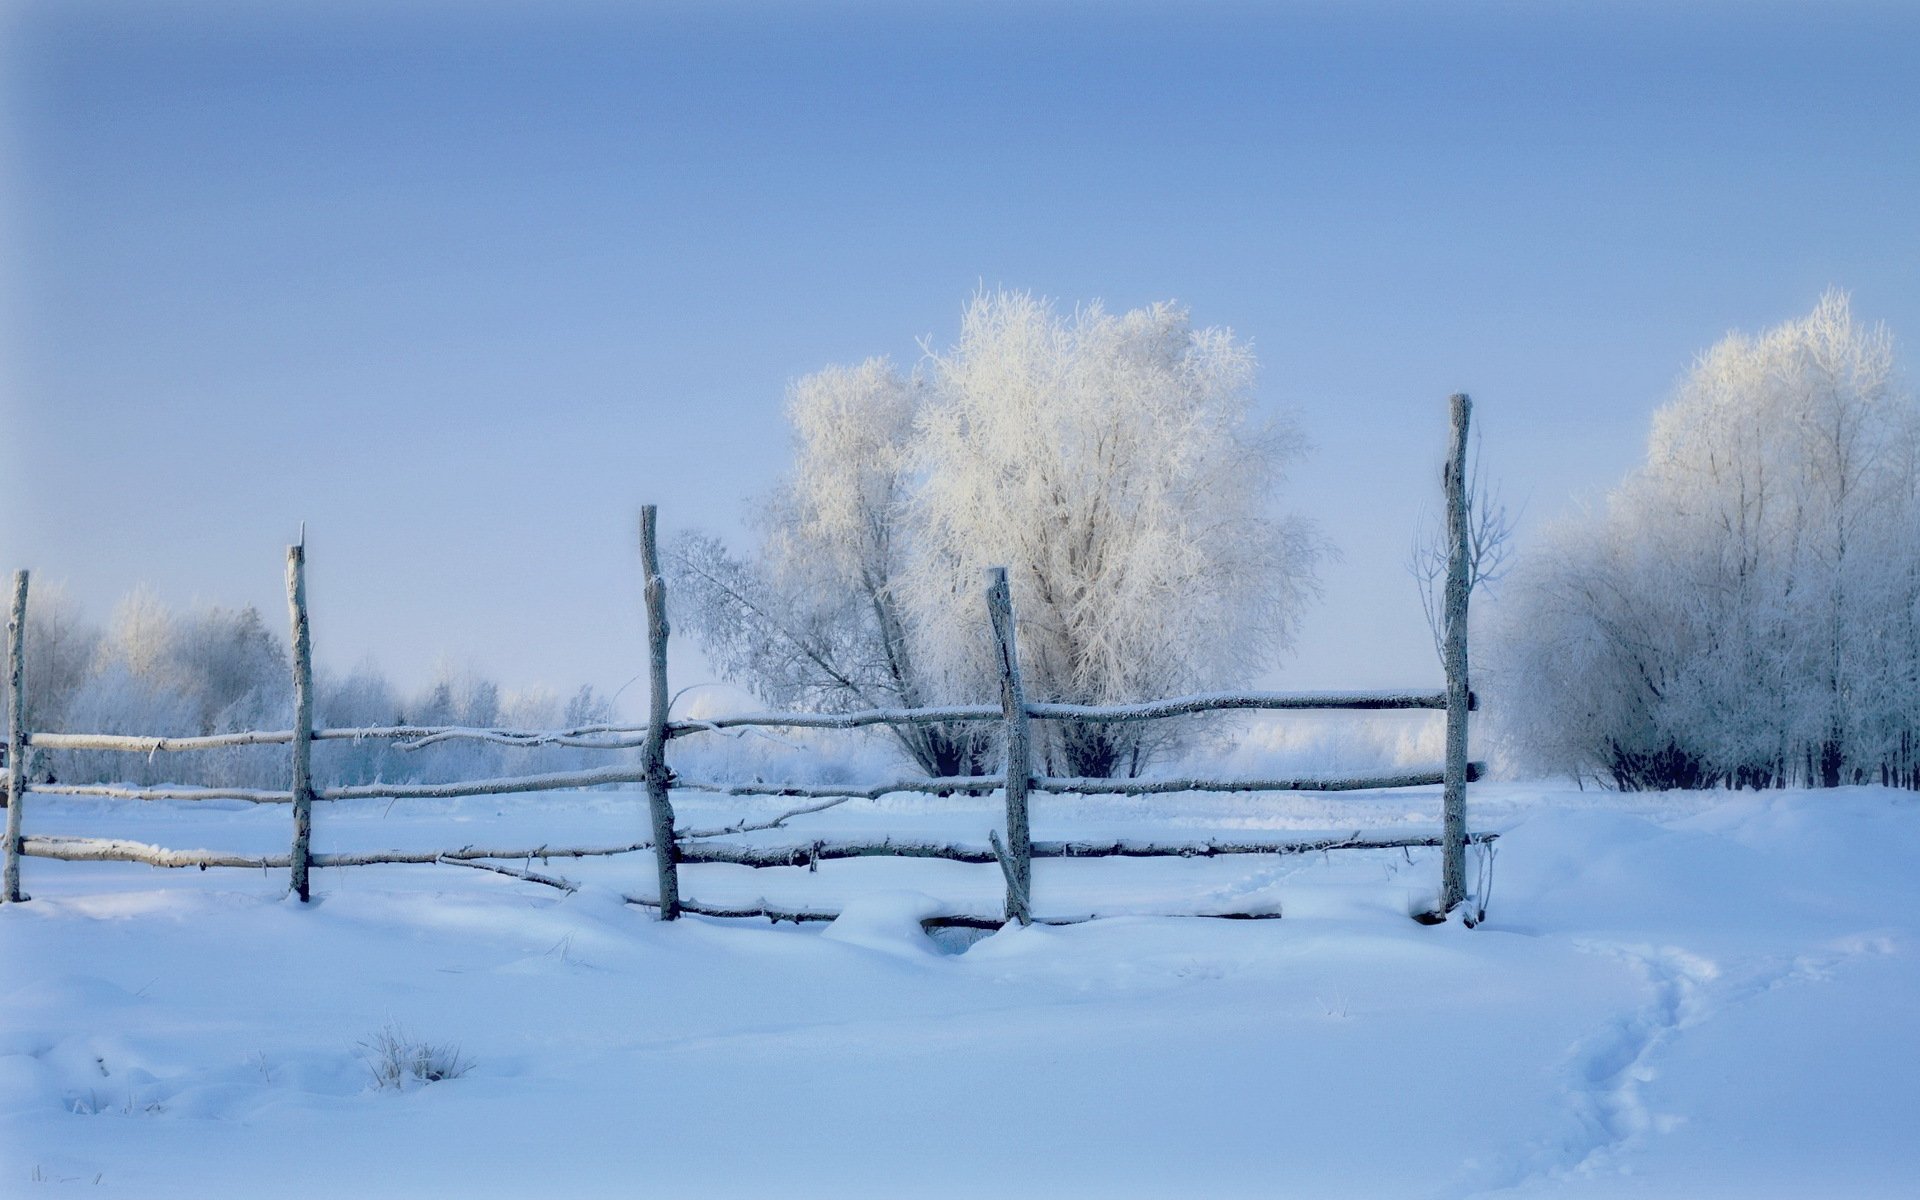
pixel 1115 465
pixel 1746 607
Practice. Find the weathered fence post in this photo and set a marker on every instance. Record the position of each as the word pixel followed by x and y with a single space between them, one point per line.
pixel 1016 860
pixel 1453 870
pixel 666 852
pixel 17 750
pixel 301 858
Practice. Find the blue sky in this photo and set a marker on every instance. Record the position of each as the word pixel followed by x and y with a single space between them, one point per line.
pixel 461 286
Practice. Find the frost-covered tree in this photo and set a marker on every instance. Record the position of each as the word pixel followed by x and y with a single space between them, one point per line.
pixel 817 618
pixel 61 646
pixel 1746 608
pixel 1114 464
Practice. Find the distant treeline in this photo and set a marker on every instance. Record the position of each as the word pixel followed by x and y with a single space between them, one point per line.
pixel 153 671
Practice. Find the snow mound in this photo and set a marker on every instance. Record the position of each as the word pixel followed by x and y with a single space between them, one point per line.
pixel 887 921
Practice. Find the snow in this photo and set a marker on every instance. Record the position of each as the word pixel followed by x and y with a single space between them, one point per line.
pixel 1674 995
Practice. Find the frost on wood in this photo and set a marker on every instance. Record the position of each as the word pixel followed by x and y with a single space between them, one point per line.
pixel 16 736
pixel 302 742
pixel 1460 569
pixel 659 802
pixel 116 792
pixel 1016 858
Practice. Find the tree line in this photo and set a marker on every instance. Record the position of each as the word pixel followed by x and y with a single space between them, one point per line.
pixel 1742 610
pixel 153 671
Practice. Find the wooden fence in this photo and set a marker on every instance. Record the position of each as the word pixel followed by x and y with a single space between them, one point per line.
pixel 672 846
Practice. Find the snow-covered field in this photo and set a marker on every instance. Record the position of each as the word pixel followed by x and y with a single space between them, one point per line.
pixel 1675 996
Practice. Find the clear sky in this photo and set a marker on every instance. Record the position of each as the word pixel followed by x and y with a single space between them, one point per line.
pixel 461 285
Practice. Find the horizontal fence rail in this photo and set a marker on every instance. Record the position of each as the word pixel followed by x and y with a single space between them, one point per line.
pixel 673 846
pixel 626 737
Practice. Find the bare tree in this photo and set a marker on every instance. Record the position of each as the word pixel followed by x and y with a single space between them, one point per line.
pixel 1489 547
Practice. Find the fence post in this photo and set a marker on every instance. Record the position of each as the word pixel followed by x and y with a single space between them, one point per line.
pixel 1017 862
pixel 17 750
pixel 1453 869
pixel 301 858
pixel 666 851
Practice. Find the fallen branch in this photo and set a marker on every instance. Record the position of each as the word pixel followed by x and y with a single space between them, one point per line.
pixel 773 823
pixel 552 881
